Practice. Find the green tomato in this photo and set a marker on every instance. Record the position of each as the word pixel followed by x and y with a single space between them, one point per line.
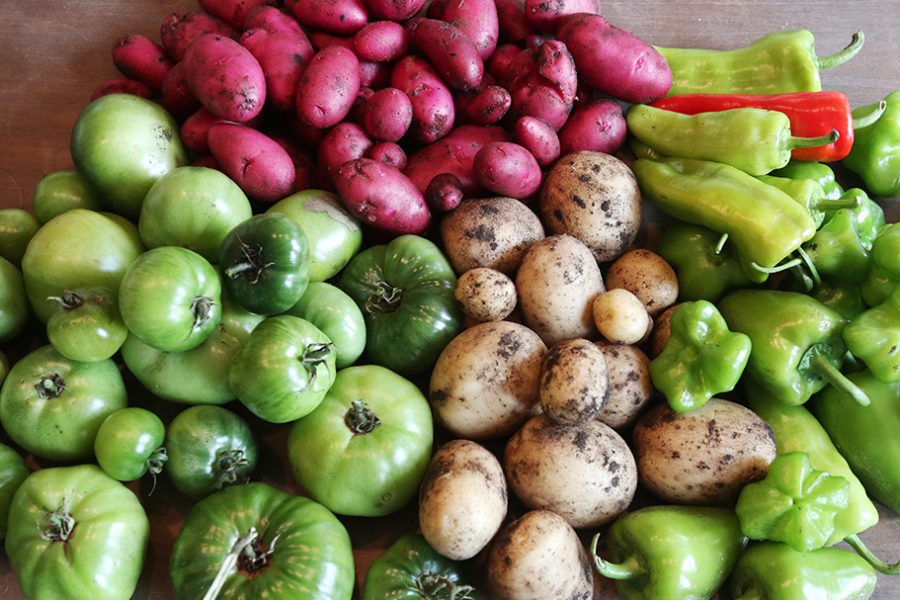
pixel 334 234
pixel 75 532
pixel 53 406
pixel 410 569
pixel 13 472
pixel 364 450
pixel 265 263
pixel 129 444
pixel 17 227
pixel 60 191
pixel 4 367
pixel 284 369
pixel 121 144
pixel 209 448
pixel 75 249
pixel 198 375
pixel 334 312
pixel 285 547
pixel 87 326
pixel 14 309
pixel 405 289
pixel 170 298
pixel 192 207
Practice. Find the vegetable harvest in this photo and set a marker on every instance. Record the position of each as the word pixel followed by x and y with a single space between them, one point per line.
pixel 345 299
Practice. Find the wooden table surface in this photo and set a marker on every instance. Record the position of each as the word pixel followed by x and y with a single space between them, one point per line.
pixel 55 52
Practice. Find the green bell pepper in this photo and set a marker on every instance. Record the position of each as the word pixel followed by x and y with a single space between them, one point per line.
pixel 798 346
pixel 875 155
pixel 837 251
pixel 665 552
pixel 775 571
pixel 701 358
pixel 886 250
pixel 819 172
pixel 809 194
pixel 873 336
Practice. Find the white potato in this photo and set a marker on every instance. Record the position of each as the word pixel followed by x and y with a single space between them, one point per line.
pixel 574 381
pixel 648 276
pixel 630 387
pixel 621 317
pixel 486 294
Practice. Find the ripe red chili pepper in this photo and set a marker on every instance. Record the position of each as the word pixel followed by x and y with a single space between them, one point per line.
pixel 811 114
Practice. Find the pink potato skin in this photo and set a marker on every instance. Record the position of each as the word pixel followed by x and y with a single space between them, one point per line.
pixel 175 95
pixel 507 169
pixel 273 20
pixel 181 28
pixel 452 54
pixel 394 10
pixel 454 154
pixel 225 77
pixel 382 196
pixel 488 106
pixel 371 73
pixel 545 16
pixel 390 153
pixel 433 111
pixel 343 142
pixel 614 61
pixel 283 58
pixel 444 192
pixel 337 17
pixel 598 126
pixel 499 62
pixel 260 166
pixel 477 19
pixel 122 85
pixel 514 25
pixel 304 165
pixel 195 130
pixel 539 138
pixel 381 41
pixel 328 87
pixel 388 114
pixel 138 57
pixel 543 83
pixel 233 12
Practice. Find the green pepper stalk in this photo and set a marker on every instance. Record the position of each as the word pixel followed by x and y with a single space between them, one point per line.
pixel 810 195
pixel 837 251
pixel 775 571
pixel 665 552
pixel 778 63
pixel 798 346
pixel 765 224
pixel 701 358
pixel 875 155
pixel 819 172
pixel 753 140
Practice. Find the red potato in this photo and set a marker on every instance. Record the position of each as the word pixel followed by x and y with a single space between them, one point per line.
pixel 122 85
pixel 381 41
pixel 273 20
pixel 539 138
pixel 444 192
pixel 514 25
pixel 195 130
pixel 338 17
pixel 233 12
pixel 138 57
pixel 433 111
pixel 371 74
pixel 382 196
pixel 538 99
pixel 260 166
pixel 488 106
pixel 545 16
pixel 390 153
pixel 543 82
pixel 598 126
pixel 507 169
pixel 477 19
pixel 388 114
pixel 225 77
pixel 343 142
pixel 614 61
pixel 175 95
pixel 449 50
pixel 283 57
pixel 455 154
pixel 181 28
pixel 499 62
pixel 304 165
pixel 394 10
pixel 328 87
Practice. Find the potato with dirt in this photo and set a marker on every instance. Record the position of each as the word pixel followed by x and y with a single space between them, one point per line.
pixel 574 381
pixel 630 387
pixel 486 294
pixel 648 276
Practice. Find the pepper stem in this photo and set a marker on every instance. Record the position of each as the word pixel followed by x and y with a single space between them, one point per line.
pixel 813 271
pixel 620 571
pixel 877 564
pixel 809 142
pixel 777 268
pixel 864 120
pixel 837 203
pixel 842 56
pixel 821 366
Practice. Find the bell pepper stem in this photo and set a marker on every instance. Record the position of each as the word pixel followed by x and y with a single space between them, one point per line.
pixel 838 379
pixel 810 142
pixel 842 56
pixel 620 571
pixel 813 272
pixel 837 203
pixel 879 565
pixel 864 120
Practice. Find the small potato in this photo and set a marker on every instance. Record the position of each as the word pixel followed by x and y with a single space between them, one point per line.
pixel 537 557
pixel 630 387
pixel 462 499
pixel 574 381
pixel 648 276
pixel 621 317
pixel 703 456
pixel 486 294
pixel 585 473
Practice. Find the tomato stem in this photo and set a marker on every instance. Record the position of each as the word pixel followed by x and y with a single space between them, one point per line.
pixel 69 300
pixel 202 308
pixel 60 524
pixel 429 584
pixel 50 386
pixel 252 267
pixel 156 463
pixel 361 419
pixel 229 563
pixel 386 298
pixel 313 356
pixel 227 464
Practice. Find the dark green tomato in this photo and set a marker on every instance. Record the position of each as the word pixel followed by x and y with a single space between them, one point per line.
pixel 334 312
pixel 265 263
pixel 364 450
pixel 60 191
pixel 198 375
pixel 286 547
pixel 14 309
pixel 192 207
pixel 410 569
pixel 75 532
pixel 17 227
pixel 76 249
pixel 13 472
pixel 170 298
pixel 129 444
pixel 87 326
pixel 405 290
pixel 4 367
pixel 209 448
pixel 53 406
pixel 284 369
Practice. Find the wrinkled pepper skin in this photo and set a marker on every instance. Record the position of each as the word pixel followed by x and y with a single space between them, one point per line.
pixel 774 571
pixel 875 155
pixel 666 552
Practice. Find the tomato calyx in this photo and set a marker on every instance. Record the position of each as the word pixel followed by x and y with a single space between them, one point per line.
pixel 253 267
pixel 70 299
pixel 386 298
pixel 246 555
pixel 60 524
pixel 156 462
pixel 201 308
pixel 313 356
pixel 361 419
pixel 429 584
pixel 228 464
pixel 51 385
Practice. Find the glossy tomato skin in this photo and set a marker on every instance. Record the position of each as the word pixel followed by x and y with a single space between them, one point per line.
pixel 13 472
pixel 358 462
pixel 209 448
pixel 103 553
pixel 53 406
pixel 60 191
pixel 405 289
pixel 129 443
pixel 312 557
pixel 87 326
pixel 170 298
pixel 14 309
pixel 334 312
pixel 17 227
